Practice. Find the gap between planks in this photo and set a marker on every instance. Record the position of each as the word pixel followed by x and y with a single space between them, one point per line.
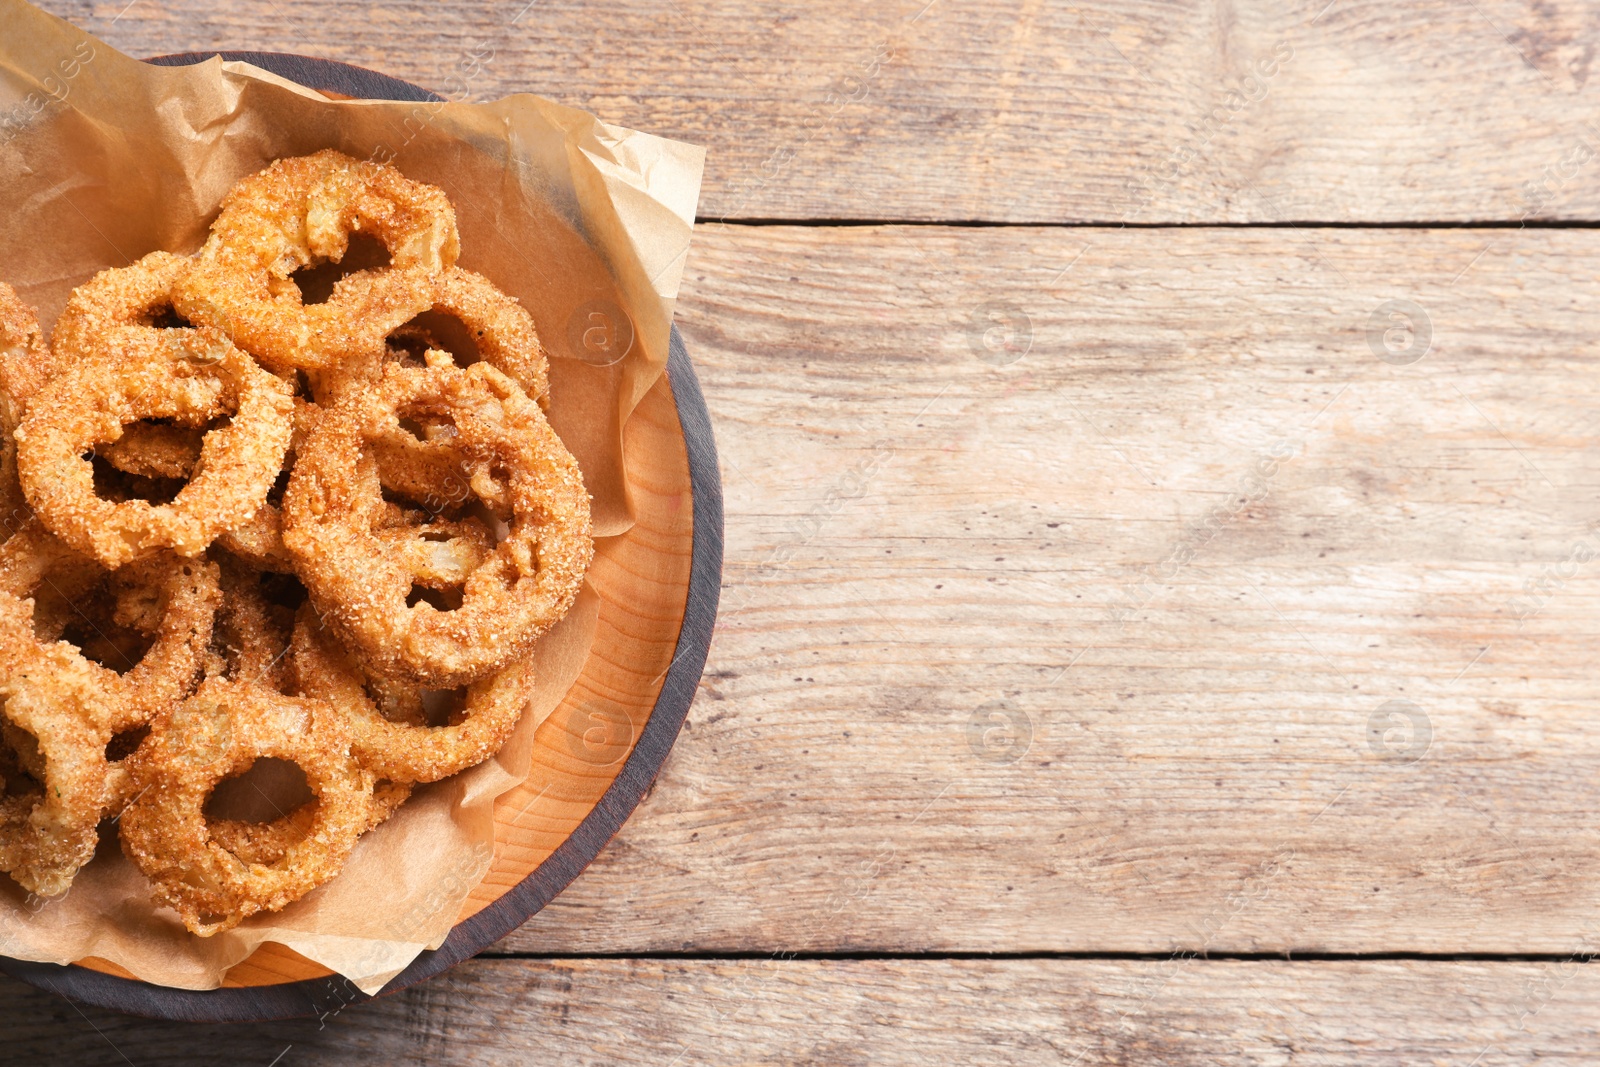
pixel 1287 956
pixel 1113 224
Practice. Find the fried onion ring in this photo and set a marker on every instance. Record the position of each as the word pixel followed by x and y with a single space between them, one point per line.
pixel 499 330
pixel 99 317
pixel 218 733
pixel 103 311
pixel 301 212
pixel 169 604
pixel 172 602
pixel 411 750
pixel 361 575
pixel 189 377
pixel 421 464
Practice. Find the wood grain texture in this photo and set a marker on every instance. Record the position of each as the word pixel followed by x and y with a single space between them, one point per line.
pixel 1106 111
pixel 1022 657
pixel 490 1013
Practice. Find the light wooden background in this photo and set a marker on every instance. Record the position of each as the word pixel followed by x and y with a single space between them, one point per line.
pixel 1139 645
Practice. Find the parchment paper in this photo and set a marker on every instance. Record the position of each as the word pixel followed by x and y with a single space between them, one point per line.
pixel 104 158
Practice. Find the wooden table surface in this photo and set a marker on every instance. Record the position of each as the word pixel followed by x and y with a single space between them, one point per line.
pixel 1163 540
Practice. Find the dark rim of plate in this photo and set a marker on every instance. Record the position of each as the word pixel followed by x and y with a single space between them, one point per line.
pixel 326 996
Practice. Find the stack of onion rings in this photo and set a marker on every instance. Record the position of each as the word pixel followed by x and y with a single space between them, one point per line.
pixel 239 525
pixel 191 380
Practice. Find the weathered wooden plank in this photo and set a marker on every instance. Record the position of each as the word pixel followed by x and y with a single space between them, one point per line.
pixel 1049 1013
pixel 1107 111
pixel 1182 555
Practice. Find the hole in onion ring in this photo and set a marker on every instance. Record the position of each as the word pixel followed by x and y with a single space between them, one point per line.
pixel 284 590
pixel 414 428
pixel 165 317
pixel 498 528
pixel 316 283
pixel 268 790
pixel 16 781
pixel 427 425
pixel 120 486
pixel 250 639
pixel 123 745
pixel 439 329
pixel 157 425
pixel 120 652
pixel 401 500
pixel 279 486
pixel 100 639
pixel 438 599
pixel 20 761
pixel 443 707
pixel 152 461
pixel 408 346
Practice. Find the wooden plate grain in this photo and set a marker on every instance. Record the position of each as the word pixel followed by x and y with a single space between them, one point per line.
pixel 657 588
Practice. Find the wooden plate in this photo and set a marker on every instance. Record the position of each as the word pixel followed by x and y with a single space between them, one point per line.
pixel 657 588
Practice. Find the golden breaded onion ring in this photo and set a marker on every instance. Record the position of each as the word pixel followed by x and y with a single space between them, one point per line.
pixel 172 601
pixel 299 213
pixel 408 751
pixel 219 733
pixel 190 377
pixel 99 317
pixel 499 328
pixel 268 842
pixel 503 335
pixel 361 573
pixel 115 302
